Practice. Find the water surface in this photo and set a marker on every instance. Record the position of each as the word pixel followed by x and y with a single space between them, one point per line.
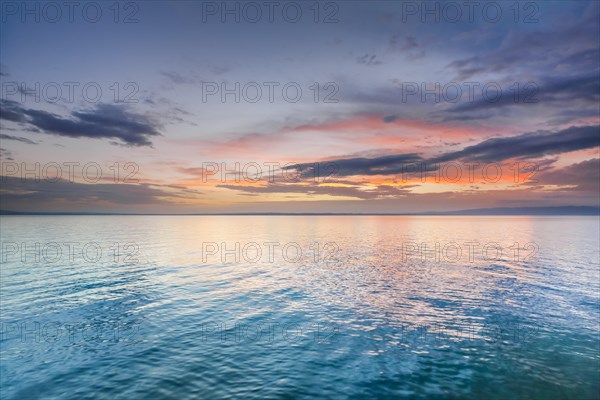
pixel 299 307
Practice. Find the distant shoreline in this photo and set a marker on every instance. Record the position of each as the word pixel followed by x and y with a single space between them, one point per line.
pixel 506 211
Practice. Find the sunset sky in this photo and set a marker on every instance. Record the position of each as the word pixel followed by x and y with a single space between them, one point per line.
pixel 362 118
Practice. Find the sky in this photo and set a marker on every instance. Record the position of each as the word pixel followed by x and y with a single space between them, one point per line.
pixel 296 107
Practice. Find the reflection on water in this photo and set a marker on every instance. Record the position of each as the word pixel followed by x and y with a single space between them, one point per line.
pixel 297 307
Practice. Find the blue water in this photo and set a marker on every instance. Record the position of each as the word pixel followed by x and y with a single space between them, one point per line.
pixel 163 307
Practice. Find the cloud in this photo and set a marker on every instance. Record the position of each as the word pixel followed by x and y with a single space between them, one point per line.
pixel 385 165
pixel 408 43
pixel 18 139
pixel 583 90
pixel 380 191
pixel 17 192
pixel 177 78
pixel 572 44
pixel 218 69
pixel 12 111
pixel 104 121
pixel 407 46
pixel 584 176
pixel 6 154
pixel 527 145
pixel 368 59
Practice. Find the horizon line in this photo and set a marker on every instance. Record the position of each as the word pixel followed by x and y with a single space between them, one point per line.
pixel 499 211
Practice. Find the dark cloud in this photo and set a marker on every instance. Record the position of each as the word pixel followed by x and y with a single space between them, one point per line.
pixel 104 121
pixel 528 145
pixel 6 154
pixel 12 111
pixel 368 59
pixel 17 192
pixel 584 176
pixel 558 91
pixel 408 43
pixel 16 138
pixel 408 46
pixel 385 165
pixel 558 98
pixel 377 192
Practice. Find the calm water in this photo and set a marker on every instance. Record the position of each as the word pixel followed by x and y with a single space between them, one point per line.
pixel 135 307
